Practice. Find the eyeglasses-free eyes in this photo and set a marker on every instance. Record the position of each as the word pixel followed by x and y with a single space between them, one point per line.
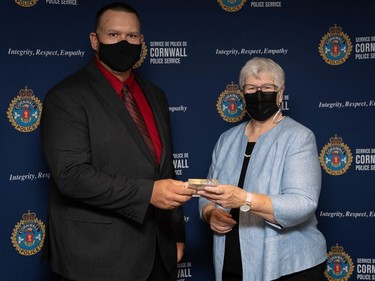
pixel 266 88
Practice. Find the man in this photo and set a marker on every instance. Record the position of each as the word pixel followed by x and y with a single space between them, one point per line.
pixel 115 212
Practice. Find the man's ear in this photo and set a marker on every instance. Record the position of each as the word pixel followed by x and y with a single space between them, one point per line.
pixel 94 41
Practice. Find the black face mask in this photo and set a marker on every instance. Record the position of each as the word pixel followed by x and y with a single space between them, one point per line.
pixel 120 56
pixel 260 105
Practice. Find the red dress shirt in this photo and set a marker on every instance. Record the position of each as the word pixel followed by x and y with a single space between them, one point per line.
pixel 141 100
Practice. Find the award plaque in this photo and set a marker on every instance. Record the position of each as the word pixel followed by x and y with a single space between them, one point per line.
pixel 200 183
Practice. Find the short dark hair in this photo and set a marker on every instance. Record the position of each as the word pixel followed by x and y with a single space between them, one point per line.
pixel 116 6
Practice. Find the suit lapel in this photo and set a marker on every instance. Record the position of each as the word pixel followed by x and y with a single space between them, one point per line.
pixel 109 95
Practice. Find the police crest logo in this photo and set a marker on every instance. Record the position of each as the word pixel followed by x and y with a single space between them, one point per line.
pixel 142 57
pixel 336 157
pixel 230 104
pixel 335 47
pixel 28 234
pixel 24 111
pixel 231 5
pixel 26 3
pixel 339 264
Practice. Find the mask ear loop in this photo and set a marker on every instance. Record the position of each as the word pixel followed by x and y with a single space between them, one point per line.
pixel 278 115
pixel 247 113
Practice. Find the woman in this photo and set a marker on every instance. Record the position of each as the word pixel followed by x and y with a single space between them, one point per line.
pixel 263 212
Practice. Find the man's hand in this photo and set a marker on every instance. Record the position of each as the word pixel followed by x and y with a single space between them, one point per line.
pixel 168 194
pixel 180 250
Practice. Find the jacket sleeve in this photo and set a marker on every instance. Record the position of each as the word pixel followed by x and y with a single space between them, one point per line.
pixel 301 182
pixel 68 152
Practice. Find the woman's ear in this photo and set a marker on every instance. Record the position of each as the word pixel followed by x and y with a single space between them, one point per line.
pixel 280 96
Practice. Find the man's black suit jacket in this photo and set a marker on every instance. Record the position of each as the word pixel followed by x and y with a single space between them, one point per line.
pixel 101 225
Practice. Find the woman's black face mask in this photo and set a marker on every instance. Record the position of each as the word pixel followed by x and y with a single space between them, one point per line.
pixel 260 105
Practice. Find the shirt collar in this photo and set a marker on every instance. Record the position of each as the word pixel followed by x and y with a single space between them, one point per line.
pixel 116 83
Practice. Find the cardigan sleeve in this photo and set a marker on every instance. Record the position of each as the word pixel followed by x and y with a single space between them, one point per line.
pixel 301 182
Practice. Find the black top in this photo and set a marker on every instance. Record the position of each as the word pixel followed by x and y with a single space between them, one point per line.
pixel 232 256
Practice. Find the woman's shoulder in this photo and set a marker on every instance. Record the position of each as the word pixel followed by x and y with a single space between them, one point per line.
pixel 292 126
pixel 234 131
pixel 292 131
pixel 232 136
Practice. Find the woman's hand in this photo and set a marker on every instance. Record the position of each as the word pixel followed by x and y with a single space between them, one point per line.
pixel 230 196
pixel 227 196
pixel 218 219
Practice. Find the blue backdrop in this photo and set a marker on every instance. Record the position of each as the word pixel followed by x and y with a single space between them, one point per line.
pixel 194 50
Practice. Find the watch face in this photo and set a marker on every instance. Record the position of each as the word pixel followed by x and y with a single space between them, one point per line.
pixel 245 208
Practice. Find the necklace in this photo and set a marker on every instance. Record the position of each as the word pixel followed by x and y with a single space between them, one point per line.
pixel 249 150
pixel 275 120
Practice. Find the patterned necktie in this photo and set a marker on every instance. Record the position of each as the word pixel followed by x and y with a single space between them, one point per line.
pixel 135 113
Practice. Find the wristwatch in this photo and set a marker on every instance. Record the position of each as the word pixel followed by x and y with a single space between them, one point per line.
pixel 247 206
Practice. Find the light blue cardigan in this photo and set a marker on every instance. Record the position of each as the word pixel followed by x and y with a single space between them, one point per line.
pixel 284 165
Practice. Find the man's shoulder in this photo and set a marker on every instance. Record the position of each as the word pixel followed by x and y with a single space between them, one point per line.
pixel 74 86
pixel 78 81
pixel 81 75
